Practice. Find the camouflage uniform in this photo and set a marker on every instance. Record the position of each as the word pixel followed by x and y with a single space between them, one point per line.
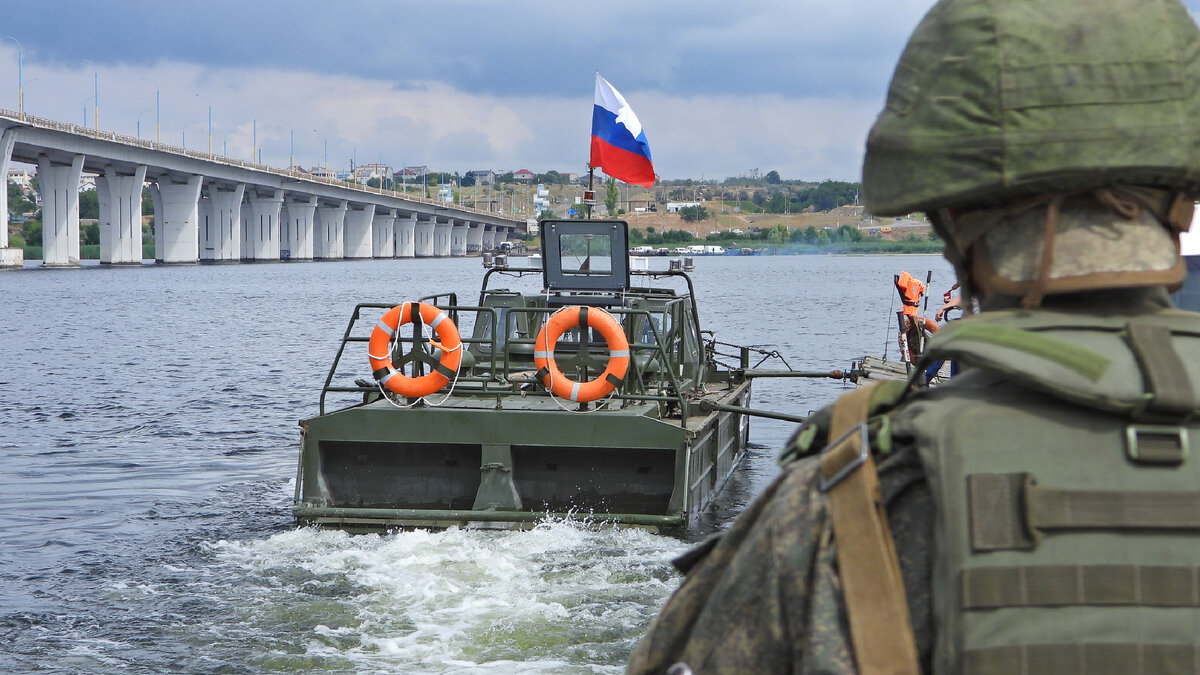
pixel 1054 146
pixel 765 598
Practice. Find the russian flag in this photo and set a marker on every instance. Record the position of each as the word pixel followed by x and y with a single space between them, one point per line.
pixel 619 144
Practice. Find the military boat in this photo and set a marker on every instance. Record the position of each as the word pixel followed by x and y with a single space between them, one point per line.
pixel 594 394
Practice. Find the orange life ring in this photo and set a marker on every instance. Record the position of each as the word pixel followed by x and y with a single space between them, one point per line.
pixel 618 353
pixel 380 352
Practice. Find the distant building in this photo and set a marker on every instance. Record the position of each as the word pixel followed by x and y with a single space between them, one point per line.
pixel 21 177
pixel 410 174
pixel 673 207
pixel 524 175
pixel 484 177
pixel 541 199
pixel 365 172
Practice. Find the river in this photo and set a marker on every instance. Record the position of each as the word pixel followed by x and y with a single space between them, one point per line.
pixel 148 441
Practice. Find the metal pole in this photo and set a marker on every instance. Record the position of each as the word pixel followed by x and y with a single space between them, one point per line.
pixel 210 152
pixel 20 77
pixel 95 93
pixel 291 148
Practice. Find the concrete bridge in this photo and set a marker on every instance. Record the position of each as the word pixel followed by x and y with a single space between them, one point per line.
pixel 209 208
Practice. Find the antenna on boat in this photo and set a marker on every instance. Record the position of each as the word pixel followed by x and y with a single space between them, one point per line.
pixel 928 281
pixel 589 195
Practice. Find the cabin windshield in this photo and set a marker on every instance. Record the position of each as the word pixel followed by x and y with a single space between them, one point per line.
pixel 585 254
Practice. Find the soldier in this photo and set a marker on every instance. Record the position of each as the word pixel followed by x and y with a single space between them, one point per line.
pixel 1039 512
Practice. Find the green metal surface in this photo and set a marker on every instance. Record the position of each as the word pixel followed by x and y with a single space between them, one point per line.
pixel 497 447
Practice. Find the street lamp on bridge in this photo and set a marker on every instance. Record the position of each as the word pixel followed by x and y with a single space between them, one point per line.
pixel 157 112
pixel 210 152
pixel 20 77
pixel 95 93
pixel 139 122
pixel 185 132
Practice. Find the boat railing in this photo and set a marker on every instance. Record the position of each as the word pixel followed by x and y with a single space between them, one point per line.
pixel 501 363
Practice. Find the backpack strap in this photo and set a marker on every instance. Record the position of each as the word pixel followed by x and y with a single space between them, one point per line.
pixel 880 627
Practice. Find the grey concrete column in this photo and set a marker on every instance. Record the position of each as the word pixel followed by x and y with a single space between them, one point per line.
pixel 120 216
pixel 501 235
pixel 458 237
pixel 357 229
pixel 176 215
pixel 262 227
pixel 441 237
pixel 327 237
pixel 9 256
pixel 60 211
pixel 220 224
pixel 383 237
pixel 423 238
pixel 296 237
pixel 475 237
pixel 489 237
pixel 405 231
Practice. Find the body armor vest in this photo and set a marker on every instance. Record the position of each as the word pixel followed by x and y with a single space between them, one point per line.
pixel 1068 495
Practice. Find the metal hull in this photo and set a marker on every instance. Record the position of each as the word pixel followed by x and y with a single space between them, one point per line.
pixel 474 460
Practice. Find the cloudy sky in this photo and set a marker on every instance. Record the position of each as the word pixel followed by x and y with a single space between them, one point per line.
pixel 721 88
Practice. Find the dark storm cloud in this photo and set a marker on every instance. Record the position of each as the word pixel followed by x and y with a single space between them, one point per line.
pixel 507 49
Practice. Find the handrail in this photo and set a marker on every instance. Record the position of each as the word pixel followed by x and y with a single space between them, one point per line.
pixel 55 125
pixel 503 383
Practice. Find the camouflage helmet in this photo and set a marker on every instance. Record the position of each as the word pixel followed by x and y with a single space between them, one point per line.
pixel 997 101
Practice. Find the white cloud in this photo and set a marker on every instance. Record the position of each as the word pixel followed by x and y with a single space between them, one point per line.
pixel 435 124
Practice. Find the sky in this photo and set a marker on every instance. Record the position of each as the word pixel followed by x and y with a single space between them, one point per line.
pixel 721 88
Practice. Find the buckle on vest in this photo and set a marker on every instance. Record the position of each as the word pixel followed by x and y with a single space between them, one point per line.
pixel 841 457
pixel 1156 443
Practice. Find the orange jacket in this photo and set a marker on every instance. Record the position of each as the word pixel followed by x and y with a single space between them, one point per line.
pixel 911 289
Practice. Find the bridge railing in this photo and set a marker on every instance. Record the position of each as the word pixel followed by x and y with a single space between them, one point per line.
pixel 301 175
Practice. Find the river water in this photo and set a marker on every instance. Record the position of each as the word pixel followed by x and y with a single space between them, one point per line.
pixel 148 441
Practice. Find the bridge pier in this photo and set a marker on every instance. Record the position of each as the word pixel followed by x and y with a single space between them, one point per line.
pixel 501 236
pixel 458 237
pixel 383 237
pixel 474 237
pixel 441 237
pixel 120 200
pixel 221 224
pixel 296 238
pixel 357 229
pixel 489 237
pixel 60 211
pixel 260 225
pixel 10 256
pixel 423 238
pixel 176 214
pixel 405 229
pixel 327 239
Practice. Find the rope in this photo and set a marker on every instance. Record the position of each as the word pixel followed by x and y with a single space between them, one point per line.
pixel 887 335
pixel 389 396
pixel 550 372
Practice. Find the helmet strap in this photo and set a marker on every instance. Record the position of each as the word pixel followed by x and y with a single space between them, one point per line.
pixel 1033 297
